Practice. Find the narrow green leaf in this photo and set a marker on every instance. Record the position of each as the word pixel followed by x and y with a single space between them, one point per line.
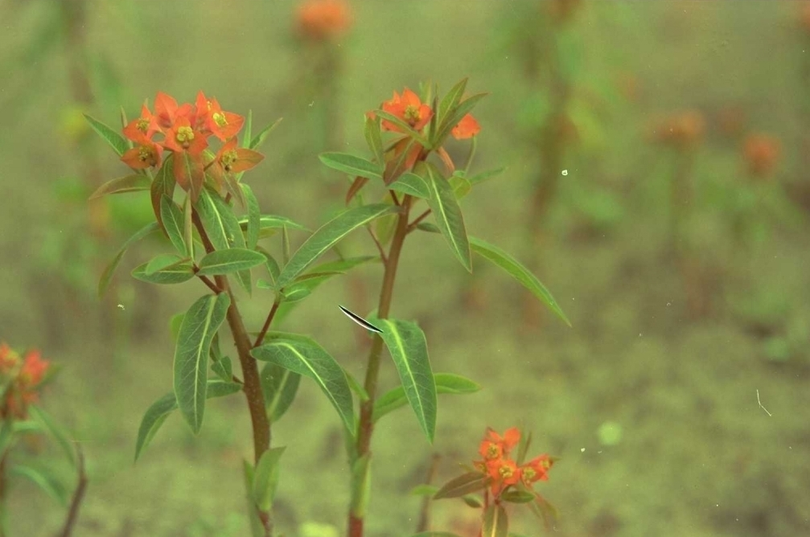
pixel 121 185
pixel 446 383
pixel 44 481
pixel 162 185
pixel 305 357
pixel 254 217
pixel 201 322
pixel 55 431
pixel 104 281
pixel 454 116
pixel 162 261
pixel 518 272
pixel 246 130
pixel 496 523
pixel 279 386
pixel 223 369
pixel 406 128
pixel 424 490
pixel 160 410
pixel 188 227
pixel 352 165
pixel 228 261
pixel 265 478
pixel 361 486
pixel 447 215
pixel 116 141
pixel 173 223
pixel 452 98
pixel 327 236
pixel 517 496
pixel 483 176
pixel 214 220
pixel 179 272
pixel 343 265
pixel 461 186
pixel 410 183
pixel 262 136
pixel 357 388
pixel 374 139
pixel 462 485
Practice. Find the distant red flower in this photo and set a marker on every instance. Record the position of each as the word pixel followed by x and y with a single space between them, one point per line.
pixel 8 359
pixel 145 154
pixel 409 108
pixel 323 19
pixel 21 385
pixel 466 128
pixel 762 154
pixel 33 369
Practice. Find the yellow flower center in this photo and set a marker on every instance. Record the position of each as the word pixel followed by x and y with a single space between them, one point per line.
pixel 184 136
pixel 492 452
pixel 143 124
pixel 228 158
pixel 412 114
pixel 506 472
pixel 529 473
pixel 145 154
pixel 220 119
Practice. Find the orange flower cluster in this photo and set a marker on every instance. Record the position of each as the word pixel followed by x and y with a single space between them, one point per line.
pixel 410 109
pixel 761 153
pixel 682 130
pixel 20 379
pixel 320 20
pixel 503 471
pixel 186 130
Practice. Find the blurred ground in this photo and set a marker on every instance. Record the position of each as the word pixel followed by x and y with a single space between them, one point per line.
pixel 654 414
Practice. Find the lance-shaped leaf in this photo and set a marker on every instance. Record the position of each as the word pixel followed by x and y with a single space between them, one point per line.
pixel 455 115
pixel 408 347
pixel 201 322
pixel 265 478
pixel 448 217
pixel 406 128
pixel 374 139
pixel 352 165
pixel 162 185
pixel 446 383
pixel 517 496
pixel 157 413
pixel 518 272
pixel 223 368
pixel 269 223
pixel 452 98
pixel 190 173
pixel 327 236
pixel 173 223
pixel 462 485
pixel 219 221
pixel 104 282
pixel 177 272
pixel 55 431
pixel 303 356
pixel 262 135
pixel 44 481
pixel 254 217
pixel 228 261
pixel 116 141
pixel 129 183
pixel 496 524
pixel 410 183
pixel 279 386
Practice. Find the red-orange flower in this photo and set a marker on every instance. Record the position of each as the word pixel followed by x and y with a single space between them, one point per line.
pixel 231 159
pixel 762 153
pixel 503 473
pixel 168 112
pixel 21 385
pixel 409 108
pixel 33 369
pixel 8 359
pixel 211 118
pixel 536 469
pixel 145 154
pixel 184 137
pixel 495 446
pixel 466 128
pixel 324 19
pixel 146 125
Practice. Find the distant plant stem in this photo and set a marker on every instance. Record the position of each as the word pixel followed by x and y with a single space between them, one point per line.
pixel 252 384
pixel 366 426
pixel 78 495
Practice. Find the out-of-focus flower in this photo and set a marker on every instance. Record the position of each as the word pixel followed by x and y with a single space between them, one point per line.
pixel 536 469
pixel 682 130
pixel 22 379
pixel 761 152
pixel 324 19
pixel 466 128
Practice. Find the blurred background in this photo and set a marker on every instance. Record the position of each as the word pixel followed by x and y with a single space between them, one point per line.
pixel 655 156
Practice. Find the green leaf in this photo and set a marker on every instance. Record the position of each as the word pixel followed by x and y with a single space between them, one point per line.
pixel 343 265
pixel 361 486
pixel 408 348
pixel 188 227
pixel 55 431
pixel 327 236
pixel 173 223
pixel 279 386
pixel 254 217
pixel 358 388
pixel 246 130
pixel 162 261
pixel 406 128
pixel 460 185
pixel 518 272
pixel 260 138
pixel 129 183
pixel 305 357
pixel 160 410
pixel 483 176
pixel 454 116
pixel 223 369
pixel 265 478
pixel 104 282
pixel 496 523
pixel 201 322
pixel 44 481
pixel 352 165
pixel 452 98
pixel 217 219
pixel 447 215
pixel 162 185
pixel 462 485
pixel 445 383
pixel 517 496
pixel 424 490
pixel 116 141
pixel 374 139
pixel 410 183
pixel 179 272
pixel 228 261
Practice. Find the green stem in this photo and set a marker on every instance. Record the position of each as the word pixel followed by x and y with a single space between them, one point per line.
pixel 366 426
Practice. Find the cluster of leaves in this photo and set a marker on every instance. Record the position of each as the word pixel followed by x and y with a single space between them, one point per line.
pixel 22 378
